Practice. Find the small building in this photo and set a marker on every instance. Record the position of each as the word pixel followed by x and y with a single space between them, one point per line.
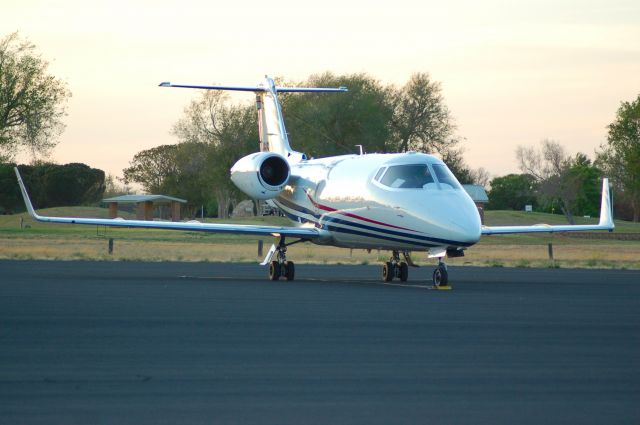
pixel 243 209
pixel 479 196
pixel 145 205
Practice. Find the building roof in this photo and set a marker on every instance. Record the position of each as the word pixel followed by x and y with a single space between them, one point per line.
pixel 144 198
pixel 477 192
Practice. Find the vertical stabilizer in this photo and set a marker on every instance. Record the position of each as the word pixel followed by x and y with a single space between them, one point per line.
pixel 273 133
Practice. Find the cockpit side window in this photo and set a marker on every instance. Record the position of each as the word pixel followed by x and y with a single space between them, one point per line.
pixel 445 177
pixel 409 176
pixel 379 173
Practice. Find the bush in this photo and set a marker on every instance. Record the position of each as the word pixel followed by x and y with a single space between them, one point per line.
pixel 50 185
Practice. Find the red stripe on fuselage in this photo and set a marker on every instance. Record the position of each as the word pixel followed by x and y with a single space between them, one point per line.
pixel 329 209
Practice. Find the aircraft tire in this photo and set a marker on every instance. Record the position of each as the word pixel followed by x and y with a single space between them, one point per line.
pixel 290 270
pixel 274 270
pixel 440 276
pixel 387 272
pixel 404 272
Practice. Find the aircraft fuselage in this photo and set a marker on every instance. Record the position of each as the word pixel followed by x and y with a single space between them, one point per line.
pixel 406 201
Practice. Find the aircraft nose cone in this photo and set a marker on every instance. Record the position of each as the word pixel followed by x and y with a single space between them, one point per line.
pixel 465 226
pixel 461 221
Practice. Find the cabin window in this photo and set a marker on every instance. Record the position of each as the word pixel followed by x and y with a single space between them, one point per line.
pixel 379 173
pixel 409 176
pixel 445 177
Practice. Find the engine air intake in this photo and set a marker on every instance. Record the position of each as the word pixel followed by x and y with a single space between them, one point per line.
pixel 274 171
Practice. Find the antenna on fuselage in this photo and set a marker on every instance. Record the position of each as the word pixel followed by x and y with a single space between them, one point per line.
pixel 361 149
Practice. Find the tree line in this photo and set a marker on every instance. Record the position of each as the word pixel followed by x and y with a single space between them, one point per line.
pixel 213 133
pixel 50 185
pixel 554 181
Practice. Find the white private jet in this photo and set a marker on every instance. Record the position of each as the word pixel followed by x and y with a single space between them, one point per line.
pixel 402 202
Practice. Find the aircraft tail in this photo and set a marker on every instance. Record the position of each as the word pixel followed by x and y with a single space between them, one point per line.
pixel 272 131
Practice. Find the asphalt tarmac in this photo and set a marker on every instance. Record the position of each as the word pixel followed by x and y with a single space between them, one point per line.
pixel 167 343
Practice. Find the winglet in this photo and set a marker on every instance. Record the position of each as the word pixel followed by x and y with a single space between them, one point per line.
pixel 25 195
pixel 606 218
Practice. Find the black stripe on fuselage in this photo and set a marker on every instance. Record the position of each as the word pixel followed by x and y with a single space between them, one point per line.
pixel 366 231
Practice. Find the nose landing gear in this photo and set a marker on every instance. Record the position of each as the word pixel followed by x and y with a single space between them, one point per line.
pixel 440 275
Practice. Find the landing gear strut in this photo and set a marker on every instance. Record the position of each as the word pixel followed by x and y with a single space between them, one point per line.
pixel 280 267
pixel 395 269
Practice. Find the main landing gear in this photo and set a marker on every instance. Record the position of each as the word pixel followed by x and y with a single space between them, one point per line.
pixel 280 267
pixel 395 269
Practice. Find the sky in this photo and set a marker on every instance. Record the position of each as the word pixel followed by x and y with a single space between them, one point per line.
pixel 512 72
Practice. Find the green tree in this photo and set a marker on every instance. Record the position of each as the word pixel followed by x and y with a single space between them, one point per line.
pixel 152 168
pixel 72 184
pixel 32 102
pixel 10 197
pixel 382 119
pixel 512 192
pixel 51 185
pixel 326 124
pixel 587 201
pixel 620 158
pixel 562 180
pixel 213 136
pixel 421 120
pixel 174 170
pixel 223 133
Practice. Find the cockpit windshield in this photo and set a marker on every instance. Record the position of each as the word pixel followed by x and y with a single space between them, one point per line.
pixel 411 176
pixel 445 177
pixel 417 176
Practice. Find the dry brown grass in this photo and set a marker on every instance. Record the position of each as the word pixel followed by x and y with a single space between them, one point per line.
pixel 614 255
pixel 566 255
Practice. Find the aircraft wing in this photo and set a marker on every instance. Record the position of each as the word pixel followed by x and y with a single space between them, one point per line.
pixel 243 229
pixel 606 221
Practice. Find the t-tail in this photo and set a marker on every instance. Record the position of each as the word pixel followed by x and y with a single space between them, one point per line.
pixel 272 131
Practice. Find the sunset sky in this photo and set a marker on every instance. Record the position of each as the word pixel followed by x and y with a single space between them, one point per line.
pixel 512 73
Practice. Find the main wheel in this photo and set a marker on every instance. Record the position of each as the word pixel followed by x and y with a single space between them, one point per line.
pixel 440 276
pixel 404 272
pixel 387 272
pixel 274 270
pixel 289 270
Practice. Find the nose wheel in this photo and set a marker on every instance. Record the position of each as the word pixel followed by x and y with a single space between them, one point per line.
pixel 441 276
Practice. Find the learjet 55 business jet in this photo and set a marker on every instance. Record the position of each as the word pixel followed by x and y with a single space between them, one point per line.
pixel 402 202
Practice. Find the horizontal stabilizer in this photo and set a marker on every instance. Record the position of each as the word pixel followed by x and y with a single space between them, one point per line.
pixel 258 88
pixel 233 88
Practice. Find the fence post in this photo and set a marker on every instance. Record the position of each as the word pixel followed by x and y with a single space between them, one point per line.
pixel 553 261
pixel 110 245
pixel 260 248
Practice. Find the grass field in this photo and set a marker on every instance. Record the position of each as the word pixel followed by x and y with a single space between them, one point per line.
pixel 49 241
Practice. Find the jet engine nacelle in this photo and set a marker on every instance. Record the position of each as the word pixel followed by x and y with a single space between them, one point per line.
pixel 261 175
